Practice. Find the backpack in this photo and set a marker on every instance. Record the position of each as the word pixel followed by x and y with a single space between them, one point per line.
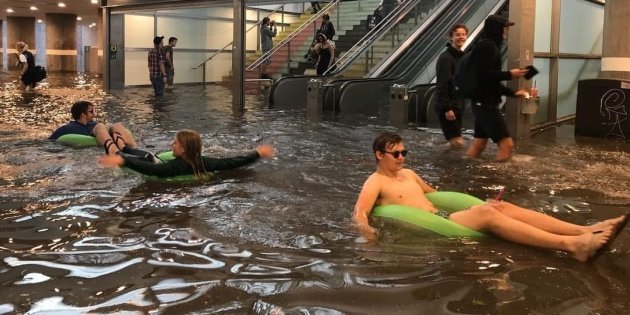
pixel 465 79
pixel 373 19
pixel 39 73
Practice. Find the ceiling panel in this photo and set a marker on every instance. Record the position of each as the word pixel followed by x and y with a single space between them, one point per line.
pixel 82 8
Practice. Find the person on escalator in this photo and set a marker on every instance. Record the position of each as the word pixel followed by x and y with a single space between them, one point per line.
pixel 449 105
pixel 327 28
pixel 325 49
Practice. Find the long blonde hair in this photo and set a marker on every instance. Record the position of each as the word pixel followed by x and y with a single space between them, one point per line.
pixel 21 46
pixel 191 143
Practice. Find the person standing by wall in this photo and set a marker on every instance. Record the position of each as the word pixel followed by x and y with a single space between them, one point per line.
pixel 27 62
pixel 157 70
pixel 168 64
pixel 267 32
pixel 449 106
pixel 489 120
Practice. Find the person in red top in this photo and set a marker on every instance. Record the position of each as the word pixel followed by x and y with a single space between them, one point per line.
pixel 157 71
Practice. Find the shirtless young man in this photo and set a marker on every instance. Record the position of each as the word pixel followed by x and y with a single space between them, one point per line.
pixel 393 184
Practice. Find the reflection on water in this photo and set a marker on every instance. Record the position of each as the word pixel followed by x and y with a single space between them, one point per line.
pixel 276 237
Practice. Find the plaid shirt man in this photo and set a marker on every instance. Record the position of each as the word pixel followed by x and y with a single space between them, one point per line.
pixel 156 56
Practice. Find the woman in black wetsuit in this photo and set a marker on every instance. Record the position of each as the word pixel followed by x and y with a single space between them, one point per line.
pixel 326 51
pixel 188 159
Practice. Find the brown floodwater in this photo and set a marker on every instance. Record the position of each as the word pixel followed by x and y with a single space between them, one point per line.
pixel 277 237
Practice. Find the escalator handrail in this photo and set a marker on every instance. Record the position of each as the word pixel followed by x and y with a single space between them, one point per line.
pixel 387 76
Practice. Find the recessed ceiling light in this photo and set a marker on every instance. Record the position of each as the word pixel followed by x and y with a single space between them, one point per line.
pixel 9 10
pixel 94 1
pixel 39 21
pixel 79 18
pixel 61 5
pixel 33 8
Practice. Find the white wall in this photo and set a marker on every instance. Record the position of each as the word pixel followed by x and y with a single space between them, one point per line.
pixel 195 29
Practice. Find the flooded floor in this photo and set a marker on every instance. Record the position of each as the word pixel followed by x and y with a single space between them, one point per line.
pixel 277 237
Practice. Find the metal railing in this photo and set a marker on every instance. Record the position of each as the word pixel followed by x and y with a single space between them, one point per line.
pixel 389 25
pixel 287 40
pixel 204 63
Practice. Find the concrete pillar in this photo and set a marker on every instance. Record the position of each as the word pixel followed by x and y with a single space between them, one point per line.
pixel 96 59
pixel 616 46
pixel 61 41
pixel 2 44
pixel 238 56
pixel 520 55
pixel 19 29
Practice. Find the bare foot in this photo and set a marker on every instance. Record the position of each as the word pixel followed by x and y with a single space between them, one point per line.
pixel 586 245
pixel 606 223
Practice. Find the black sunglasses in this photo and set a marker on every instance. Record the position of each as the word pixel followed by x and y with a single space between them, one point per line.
pixel 397 154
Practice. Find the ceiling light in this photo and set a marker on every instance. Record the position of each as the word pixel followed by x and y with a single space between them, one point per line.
pixel 79 18
pixel 33 8
pixel 94 1
pixel 9 10
pixel 61 5
pixel 40 21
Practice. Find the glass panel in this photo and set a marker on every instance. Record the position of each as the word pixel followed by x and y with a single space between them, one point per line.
pixel 570 71
pixel 136 71
pixel 581 27
pixel 138 31
pixel 543 17
pixel 542 83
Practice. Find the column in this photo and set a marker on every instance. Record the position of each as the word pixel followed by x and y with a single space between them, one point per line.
pixel 520 54
pixel 61 42
pixel 2 45
pixel 616 47
pixel 19 29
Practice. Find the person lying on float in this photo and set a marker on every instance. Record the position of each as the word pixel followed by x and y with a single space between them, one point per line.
pixel 83 130
pixel 391 184
pixel 186 159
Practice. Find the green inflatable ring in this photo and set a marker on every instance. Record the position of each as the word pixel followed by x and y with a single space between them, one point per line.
pixel 444 200
pixel 77 140
pixel 166 156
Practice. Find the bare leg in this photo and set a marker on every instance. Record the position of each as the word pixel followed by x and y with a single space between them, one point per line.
pixel 488 218
pixel 456 142
pixel 476 147
pixel 506 145
pixel 539 220
pixel 104 139
pixel 549 223
pixel 126 138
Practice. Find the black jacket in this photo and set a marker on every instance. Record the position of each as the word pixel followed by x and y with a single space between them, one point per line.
pixel 446 97
pixel 486 59
pixel 177 166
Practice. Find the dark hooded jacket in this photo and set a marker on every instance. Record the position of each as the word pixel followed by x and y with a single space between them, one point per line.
pixel 486 59
pixel 447 98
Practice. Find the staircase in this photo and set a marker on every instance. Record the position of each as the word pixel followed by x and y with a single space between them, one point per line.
pixel 347 33
pixel 349 30
pixel 393 38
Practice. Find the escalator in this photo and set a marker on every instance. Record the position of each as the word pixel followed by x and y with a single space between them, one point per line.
pixel 414 64
pixel 290 92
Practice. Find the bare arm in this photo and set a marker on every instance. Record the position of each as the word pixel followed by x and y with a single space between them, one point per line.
pixel 425 187
pixel 168 59
pixel 363 207
pixel 332 56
